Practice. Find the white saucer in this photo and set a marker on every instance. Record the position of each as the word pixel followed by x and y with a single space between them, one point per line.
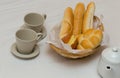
pixel 24 56
pixel 43 31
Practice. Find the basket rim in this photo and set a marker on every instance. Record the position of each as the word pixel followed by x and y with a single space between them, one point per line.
pixel 67 54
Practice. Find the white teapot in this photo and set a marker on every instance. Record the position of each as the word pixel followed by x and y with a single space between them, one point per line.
pixel 109 63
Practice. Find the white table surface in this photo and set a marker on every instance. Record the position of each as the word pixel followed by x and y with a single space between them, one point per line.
pixel 49 64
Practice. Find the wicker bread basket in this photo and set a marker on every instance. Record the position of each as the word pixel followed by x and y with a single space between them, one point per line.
pixel 81 54
pixel 67 54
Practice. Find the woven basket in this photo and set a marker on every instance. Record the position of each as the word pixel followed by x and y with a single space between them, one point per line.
pixel 81 54
pixel 73 55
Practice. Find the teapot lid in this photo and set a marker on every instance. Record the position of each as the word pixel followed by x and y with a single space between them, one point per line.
pixel 112 54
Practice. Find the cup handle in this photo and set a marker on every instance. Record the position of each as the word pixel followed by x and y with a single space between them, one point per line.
pixel 44 16
pixel 39 37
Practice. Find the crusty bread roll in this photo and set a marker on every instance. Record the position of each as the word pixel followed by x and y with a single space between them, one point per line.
pixel 88 17
pixel 77 29
pixel 66 25
pixel 90 39
pixel 78 18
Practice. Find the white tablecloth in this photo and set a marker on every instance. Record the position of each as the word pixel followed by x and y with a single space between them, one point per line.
pixel 49 64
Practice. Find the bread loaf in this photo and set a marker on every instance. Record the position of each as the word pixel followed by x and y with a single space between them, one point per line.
pixel 77 26
pixel 78 18
pixel 88 17
pixel 66 25
pixel 77 29
pixel 90 39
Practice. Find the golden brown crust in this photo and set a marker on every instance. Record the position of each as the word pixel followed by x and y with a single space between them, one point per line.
pixel 78 18
pixel 67 25
pixel 77 27
pixel 90 39
pixel 88 17
pixel 73 42
pixel 79 39
pixel 77 30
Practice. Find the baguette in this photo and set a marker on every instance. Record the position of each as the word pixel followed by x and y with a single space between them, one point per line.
pixel 78 18
pixel 77 28
pixel 88 17
pixel 67 25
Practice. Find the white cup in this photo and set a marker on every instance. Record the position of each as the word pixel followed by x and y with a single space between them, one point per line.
pixel 34 21
pixel 26 40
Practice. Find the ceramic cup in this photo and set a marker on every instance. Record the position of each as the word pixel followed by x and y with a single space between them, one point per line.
pixel 34 21
pixel 26 40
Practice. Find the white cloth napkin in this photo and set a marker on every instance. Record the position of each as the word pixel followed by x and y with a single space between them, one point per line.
pixel 54 39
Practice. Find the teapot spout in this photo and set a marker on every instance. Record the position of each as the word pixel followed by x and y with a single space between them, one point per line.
pixel 108 68
pixel 109 72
